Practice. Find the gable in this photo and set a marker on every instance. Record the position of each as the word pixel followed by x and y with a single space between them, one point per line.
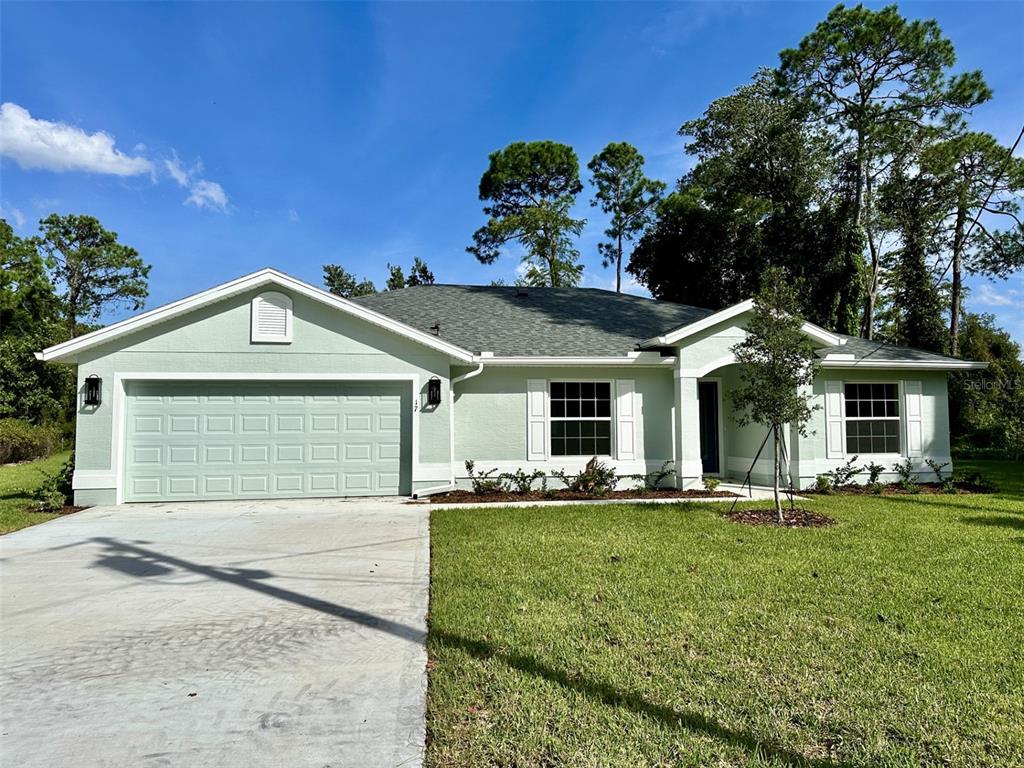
pixel 266 279
pixel 224 330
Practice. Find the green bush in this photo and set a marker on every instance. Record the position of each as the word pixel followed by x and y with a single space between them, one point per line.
pixel 485 482
pixel 55 491
pixel 21 441
pixel 596 479
pixel 711 484
pixel 823 483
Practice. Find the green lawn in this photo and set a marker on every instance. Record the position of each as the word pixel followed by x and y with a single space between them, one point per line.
pixel 634 635
pixel 16 484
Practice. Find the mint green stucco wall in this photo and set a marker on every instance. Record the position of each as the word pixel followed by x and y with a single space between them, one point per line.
pixel 216 339
pixel 491 413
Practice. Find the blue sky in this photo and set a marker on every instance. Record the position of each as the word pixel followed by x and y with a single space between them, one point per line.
pixel 237 136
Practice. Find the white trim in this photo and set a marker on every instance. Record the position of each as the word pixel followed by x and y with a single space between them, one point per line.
pixel 537 427
pixel 901 419
pixel 835 419
pixel 912 416
pixel 270 297
pixel 120 392
pixel 671 337
pixel 929 365
pixel 67 349
pixel 93 479
pixel 612 417
pixel 570 464
pixel 653 359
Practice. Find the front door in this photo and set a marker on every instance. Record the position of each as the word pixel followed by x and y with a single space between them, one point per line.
pixel 707 393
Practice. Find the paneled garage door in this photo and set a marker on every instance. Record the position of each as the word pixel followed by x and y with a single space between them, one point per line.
pixel 229 440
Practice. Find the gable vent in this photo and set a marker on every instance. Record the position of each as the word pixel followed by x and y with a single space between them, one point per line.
pixel 272 318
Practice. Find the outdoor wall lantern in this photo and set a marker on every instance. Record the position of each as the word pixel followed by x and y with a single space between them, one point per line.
pixel 434 391
pixel 92 389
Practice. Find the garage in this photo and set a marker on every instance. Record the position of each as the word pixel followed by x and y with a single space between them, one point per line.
pixel 233 439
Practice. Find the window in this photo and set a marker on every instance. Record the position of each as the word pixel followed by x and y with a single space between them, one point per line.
pixel 581 418
pixel 872 418
pixel 271 318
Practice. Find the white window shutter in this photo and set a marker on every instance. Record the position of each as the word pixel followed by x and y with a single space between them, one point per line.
pixel 272 318
pixel 625 418
pixel 912 408
pixel 536 419
pixel 835 446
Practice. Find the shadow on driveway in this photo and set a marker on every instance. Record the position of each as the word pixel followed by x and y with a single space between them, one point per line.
pixel 137 560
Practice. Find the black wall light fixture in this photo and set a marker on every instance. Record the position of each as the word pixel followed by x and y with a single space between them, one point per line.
pixel 434 391
pixel 92 389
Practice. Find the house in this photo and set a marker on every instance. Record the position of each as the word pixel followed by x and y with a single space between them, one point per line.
pixel 267 387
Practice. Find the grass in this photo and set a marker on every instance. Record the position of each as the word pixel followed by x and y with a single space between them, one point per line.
pixel 17 481
pixel 634 635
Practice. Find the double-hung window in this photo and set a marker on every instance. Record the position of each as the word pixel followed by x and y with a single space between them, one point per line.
pixel 872 418
pixel 581 418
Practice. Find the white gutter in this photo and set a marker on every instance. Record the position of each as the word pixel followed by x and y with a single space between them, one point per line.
pixel 927 365
pixel 451 418
pixel 642 358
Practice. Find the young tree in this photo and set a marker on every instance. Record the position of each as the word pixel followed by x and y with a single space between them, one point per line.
pixel 776 361
pixel 984 235
pixel 530 188
pixel 341 282
pixel 626 195
pixel 874 79
pixel 90 269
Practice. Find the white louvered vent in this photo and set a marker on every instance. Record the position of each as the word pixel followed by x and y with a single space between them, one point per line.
pixel 272 318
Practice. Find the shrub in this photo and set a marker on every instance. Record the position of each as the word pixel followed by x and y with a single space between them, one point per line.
pixel 937 468
pixel 905 470
pixel 823 483
pixel 844 475
pixel 55 491
pixel 875 488
pixel 596 479
pixel 652 480
pixel 21 441
pixel 484 482
pixel 710 484
pixel 522 483
pixel 874 473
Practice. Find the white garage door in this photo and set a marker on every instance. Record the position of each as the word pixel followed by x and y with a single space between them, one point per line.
pixel 228 440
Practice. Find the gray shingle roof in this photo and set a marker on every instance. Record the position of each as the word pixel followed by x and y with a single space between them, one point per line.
pixel 563 322
pixel 863 349
pixel 568 322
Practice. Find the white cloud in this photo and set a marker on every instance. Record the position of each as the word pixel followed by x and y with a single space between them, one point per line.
pixel 987 296
pixel 293 215
pixel 203 193
pixel 60 147
pixel 207 194
pixel 13 215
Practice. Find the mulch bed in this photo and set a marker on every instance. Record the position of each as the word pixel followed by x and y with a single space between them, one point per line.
pixel 468 497
pixel 63 510
pixel 895 489
pixel 793 518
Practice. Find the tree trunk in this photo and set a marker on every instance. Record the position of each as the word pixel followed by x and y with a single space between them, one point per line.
pixel 618 267
pixel 957 287
pixel 778 473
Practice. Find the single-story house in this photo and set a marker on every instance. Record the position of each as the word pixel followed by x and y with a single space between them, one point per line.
pixel 268 387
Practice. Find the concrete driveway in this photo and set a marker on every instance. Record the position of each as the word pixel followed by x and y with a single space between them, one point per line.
pixel 216 634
